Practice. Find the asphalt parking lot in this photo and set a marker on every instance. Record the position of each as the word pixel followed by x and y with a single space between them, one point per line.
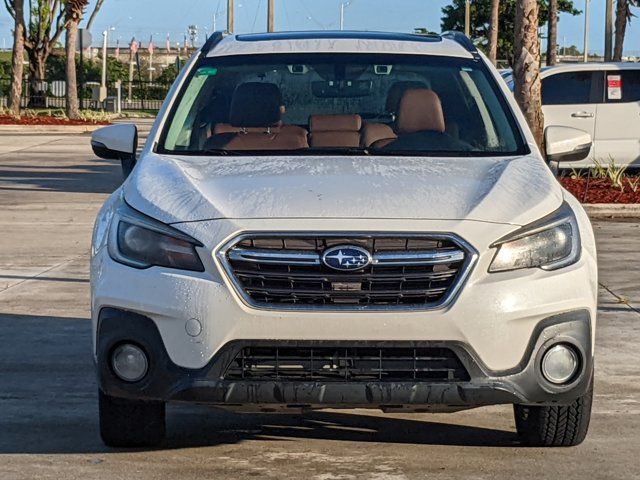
pixel 51 187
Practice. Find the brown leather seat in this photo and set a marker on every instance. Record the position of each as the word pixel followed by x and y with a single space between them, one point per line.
pixel 255 122
pixel 396 92
pixel 335 130
pixel 377 132
pixel 419 110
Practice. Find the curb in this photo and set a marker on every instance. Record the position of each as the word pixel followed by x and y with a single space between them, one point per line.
pixel 49 129
pixel 612 210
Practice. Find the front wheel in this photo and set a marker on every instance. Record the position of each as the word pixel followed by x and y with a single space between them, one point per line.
pixel 555 426
pixel 131 423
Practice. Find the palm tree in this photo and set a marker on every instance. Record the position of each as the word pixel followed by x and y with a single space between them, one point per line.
pixel 552 37
pixel 74 9
pixel 493 31
pixel 526 68
pixel 93 15
pixel 623 17
pixel 16 10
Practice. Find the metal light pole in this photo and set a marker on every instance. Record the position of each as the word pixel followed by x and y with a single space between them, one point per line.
pixel 585 57
pixel 150 50
pixel 467 18
pixel 343 5
pixel 103 80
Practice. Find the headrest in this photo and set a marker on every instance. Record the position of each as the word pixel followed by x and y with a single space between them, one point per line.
pixel 335 123
pixel 420 110
pixel 394 95
pixel 255 104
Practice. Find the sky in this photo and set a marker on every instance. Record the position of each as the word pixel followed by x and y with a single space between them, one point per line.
pixel 143 18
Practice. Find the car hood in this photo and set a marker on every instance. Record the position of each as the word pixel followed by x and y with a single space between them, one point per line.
pixel 177 189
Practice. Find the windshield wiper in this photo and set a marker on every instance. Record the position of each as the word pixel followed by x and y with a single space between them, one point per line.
pixel 296 152
pixel 221 152
pixel 337 151
pixel 441 153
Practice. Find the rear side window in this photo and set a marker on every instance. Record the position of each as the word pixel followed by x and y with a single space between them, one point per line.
pixel 571 88
pixel 623 86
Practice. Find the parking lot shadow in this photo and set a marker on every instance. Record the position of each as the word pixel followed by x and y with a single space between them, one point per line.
pixel 47 385
pixel 48 404
pixel 97 176
pixel 188 429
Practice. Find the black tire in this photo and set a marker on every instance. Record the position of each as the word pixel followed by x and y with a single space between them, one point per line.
pixel 555 426
pixel 131 423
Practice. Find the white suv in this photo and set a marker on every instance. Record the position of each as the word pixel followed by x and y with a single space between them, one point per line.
pixel 346 220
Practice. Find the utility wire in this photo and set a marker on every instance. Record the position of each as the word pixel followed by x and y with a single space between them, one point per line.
pixel 255 19
pixel 286 12
pixel 311 15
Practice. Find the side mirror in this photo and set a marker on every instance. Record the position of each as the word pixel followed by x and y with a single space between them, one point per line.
pixel 566 144
pixel 117 142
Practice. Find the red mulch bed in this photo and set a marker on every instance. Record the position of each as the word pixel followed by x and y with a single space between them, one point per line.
pixel 45 120
pixel 591 190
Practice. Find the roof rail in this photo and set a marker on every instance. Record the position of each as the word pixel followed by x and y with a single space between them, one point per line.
pixel 461 39
pixel 211 42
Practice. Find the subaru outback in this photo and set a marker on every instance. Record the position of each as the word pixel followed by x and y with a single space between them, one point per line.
pixel 342 220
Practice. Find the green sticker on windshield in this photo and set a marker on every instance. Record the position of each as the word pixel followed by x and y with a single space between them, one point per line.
pixel 206 72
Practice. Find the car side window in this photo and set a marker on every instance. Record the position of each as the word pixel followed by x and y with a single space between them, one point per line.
pixel 571 88
pixel 623 86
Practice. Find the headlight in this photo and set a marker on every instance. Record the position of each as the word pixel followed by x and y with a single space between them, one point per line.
pixel 550 243
pixel 142 242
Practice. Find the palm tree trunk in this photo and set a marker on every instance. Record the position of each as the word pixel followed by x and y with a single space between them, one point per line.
pixel 622 17
pixel 17 57
pixel 73 108
pixel 37 68
pixel 93 15
pixel 526 68
pixel 493 31
pixel 552 40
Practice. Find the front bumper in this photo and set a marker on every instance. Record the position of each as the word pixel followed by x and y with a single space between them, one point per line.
pixel 495 314
pixel 167 381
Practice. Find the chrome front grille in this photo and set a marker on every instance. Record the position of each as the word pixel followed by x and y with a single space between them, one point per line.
pixel 406 270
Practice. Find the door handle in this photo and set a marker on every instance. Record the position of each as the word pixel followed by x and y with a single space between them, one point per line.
pixel 582 115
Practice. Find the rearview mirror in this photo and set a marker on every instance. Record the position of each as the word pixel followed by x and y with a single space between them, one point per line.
pixel 117 142
pixel 566 144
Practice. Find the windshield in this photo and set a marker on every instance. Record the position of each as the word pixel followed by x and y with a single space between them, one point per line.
pixel 348 103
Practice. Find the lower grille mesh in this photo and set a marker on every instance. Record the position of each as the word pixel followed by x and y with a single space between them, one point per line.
pixel 347 364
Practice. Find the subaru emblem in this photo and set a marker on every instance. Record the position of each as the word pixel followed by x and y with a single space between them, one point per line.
pixel 346 258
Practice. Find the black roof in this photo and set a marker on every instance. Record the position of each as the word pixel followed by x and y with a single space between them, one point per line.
pixel 338 34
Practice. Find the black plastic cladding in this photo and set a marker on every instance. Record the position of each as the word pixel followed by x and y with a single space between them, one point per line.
pixel 461 39
pixel 212 41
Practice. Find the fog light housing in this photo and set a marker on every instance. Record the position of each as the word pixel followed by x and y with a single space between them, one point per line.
pixel 129 362
pixel 560 364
